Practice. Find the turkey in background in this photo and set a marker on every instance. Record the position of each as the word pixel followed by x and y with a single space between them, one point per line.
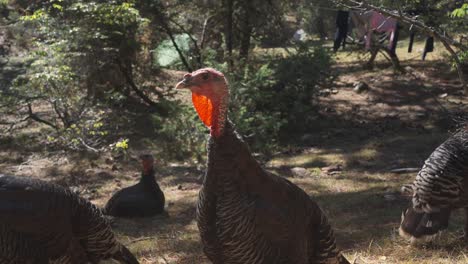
pixel 143 199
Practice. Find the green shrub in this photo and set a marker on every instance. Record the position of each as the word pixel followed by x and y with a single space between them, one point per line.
pixel 273 102
pixel 182 135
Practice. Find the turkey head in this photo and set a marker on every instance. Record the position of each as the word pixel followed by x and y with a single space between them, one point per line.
pixel 419 226
pixel 147 163
pixel 210 97
pixel 422 227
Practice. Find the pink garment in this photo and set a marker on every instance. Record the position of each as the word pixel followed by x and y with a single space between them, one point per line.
pixel 380 23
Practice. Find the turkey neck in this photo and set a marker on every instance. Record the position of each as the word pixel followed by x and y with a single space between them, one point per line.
pixel 228 153
pixel 219 115
pixel 147 179
pixel 222 118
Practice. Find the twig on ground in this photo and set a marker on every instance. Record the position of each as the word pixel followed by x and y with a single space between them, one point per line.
pixel 404 170
pixel 165 260
pixel 138 240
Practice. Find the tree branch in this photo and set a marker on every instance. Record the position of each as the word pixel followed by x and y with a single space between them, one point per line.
pixel 203 35
pixel 194 41
pixel 88 146
pixel 36 118
pixel 13 124
pixel 129 79
pixel 57 111
pixel 161 17
pixel 63 115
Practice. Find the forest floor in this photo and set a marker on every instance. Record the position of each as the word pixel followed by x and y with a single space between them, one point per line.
pixel 345 164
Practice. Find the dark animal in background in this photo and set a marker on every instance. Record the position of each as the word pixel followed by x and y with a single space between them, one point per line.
pixel 143 199
pixel 440 187
pixel 245 214
pixel 45 223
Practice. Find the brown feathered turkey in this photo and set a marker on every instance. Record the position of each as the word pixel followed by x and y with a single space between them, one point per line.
pixel 44 223
pixel 246 215
pixel 143 199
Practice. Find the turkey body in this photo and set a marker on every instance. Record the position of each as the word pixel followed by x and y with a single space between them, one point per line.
pixel 17 248
pixel 246 215
pixel 440 187
pixel 45 223
pixel 443 180
pixel 143 199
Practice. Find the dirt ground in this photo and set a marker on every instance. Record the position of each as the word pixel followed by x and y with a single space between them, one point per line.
pixel 344 164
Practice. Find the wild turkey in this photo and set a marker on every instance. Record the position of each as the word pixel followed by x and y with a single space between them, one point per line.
pixel 246 215
pixel 24 248
pixel 140 200
pixel 43 222
pixel 440 187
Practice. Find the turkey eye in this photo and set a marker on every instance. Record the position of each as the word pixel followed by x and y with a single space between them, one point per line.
pixel 205 76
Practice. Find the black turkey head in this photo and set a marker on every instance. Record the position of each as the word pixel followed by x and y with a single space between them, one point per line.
pixel 210 97
pixel 147 163
pixel 419 226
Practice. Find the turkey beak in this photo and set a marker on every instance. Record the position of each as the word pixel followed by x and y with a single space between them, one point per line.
pixel 181 85
pixel 185 83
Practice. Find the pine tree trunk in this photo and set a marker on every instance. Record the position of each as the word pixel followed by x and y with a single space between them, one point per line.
pixel 228 30
pixel 246 31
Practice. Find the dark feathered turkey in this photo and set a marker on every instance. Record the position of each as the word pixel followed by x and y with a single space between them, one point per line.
pixel 18 248
pixel 440 186
pixel 140 200
pixel 45 223
pixel 245 214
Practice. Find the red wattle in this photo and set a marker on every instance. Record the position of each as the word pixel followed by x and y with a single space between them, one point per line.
pixel 208 111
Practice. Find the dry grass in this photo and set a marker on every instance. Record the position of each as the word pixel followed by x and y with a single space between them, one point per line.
pixel 397 123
